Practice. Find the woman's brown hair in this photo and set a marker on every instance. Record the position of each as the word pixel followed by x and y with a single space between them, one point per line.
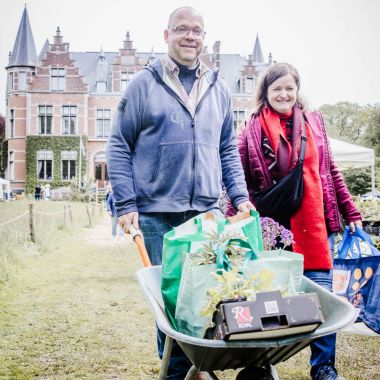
pixel 270 75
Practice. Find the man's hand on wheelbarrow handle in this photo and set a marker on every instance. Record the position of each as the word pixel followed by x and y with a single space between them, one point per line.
pixel 130 224
pixel 128 220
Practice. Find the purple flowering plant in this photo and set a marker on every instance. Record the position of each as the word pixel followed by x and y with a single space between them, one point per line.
pixel 275 236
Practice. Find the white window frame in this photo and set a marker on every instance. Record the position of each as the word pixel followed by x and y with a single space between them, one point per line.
pixel 100 119
pixel 69 116
pixel 57 79
pixel 67 155
pixel 249 85
pixel 125 78
pixel 45 115
pixel 45 155
pixel 237 117
pixel 22 81
pixel 101 87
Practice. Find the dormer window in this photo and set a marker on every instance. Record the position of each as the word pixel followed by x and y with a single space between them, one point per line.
pixel 125 78
pixel 101 86
pixel 249 86
pixel 58 79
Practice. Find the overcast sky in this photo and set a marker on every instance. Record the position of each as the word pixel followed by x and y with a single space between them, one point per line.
pixel 335 44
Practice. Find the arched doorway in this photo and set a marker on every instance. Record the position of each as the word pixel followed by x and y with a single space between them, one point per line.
pixel 100 169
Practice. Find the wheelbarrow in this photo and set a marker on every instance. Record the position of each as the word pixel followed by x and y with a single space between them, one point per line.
pixel 211 355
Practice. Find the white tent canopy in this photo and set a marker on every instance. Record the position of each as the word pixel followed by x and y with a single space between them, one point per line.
pixel 4 186
pixel 350 156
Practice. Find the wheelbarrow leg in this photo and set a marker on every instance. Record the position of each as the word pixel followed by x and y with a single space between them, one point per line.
pixel 165 358
pixel 191 374
pixel 272 370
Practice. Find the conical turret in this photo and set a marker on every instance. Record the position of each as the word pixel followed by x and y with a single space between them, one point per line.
pixel 24 50
pixel 257 52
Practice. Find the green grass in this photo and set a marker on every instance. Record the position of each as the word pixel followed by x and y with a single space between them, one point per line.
pixel 50 229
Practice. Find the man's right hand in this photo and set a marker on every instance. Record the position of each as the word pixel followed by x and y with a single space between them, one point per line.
pixel 129 219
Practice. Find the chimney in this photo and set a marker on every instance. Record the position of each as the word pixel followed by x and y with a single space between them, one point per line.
pixel 58 37
pixel 216 54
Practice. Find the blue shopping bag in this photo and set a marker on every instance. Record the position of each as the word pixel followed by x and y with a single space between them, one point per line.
pixel 357 276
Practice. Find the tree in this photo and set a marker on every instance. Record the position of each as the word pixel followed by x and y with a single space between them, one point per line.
pixel 372 135
pixel 358 181
pixel 2 128
pixel 345 120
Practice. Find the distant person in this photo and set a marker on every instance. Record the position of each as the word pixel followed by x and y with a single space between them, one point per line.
pixel 47 192
pixel 117 231
pixel 37 192
pixel 270 147
pixel 42 195
pixel 172 145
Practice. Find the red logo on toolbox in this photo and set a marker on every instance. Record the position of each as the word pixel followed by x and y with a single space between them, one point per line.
pixel 243 316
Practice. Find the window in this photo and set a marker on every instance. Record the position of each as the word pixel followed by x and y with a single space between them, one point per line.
pixel 128 60
pixel 69 120
pixel 11 166
pixel 125 78
pixel 239 117
pixel 249 86
pixel 45 164
pixel 100 86
pixel 12 123
pixel 103 122
pixel 10 82
pixel 22 80
pixel 45 116
pixel 69 160
pixel 58 80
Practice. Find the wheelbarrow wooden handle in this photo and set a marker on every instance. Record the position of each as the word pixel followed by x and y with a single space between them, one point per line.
pixel 137 237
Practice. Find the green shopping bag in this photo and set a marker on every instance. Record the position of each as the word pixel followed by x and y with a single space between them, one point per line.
pixel 201 288
pixel 190 237
pixel 275 270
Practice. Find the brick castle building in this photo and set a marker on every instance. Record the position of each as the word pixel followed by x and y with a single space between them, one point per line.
pixel 59 104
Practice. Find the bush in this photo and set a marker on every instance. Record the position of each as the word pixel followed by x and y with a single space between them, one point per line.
pixel 358 181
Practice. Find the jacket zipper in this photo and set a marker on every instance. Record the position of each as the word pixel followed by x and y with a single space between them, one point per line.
pixel 175 95
pixel 192 194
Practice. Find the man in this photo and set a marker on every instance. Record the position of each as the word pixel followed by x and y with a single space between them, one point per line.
pixel 172 146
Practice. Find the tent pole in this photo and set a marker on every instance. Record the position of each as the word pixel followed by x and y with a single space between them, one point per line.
pixel 373 176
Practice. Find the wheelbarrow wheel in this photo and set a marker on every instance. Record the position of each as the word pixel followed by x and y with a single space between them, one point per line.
pixel 255 373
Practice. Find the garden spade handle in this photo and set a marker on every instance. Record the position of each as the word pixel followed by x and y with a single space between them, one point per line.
pixel 137 237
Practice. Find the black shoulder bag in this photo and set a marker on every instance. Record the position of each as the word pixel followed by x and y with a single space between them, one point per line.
pixel 284 198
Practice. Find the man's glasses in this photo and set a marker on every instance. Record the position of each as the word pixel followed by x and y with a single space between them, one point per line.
pixel 183 30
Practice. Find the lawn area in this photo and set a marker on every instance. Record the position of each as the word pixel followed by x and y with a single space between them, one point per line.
pixel 51 227
pixel 71 309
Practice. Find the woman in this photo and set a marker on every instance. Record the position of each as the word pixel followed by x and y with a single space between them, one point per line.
pixel 269 147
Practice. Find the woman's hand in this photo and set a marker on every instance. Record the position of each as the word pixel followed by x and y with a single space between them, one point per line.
pixel 353 225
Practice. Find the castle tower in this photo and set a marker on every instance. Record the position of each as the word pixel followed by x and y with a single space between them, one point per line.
pixel 20 70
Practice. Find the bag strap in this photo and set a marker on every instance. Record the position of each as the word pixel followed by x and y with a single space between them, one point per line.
pixel 303 142
pixel 223 262
pixel 351 239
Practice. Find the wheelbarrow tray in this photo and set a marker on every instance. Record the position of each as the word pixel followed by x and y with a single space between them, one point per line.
pixel 211 355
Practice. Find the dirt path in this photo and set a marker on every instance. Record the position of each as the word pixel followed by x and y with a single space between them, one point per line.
pixel 101 235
